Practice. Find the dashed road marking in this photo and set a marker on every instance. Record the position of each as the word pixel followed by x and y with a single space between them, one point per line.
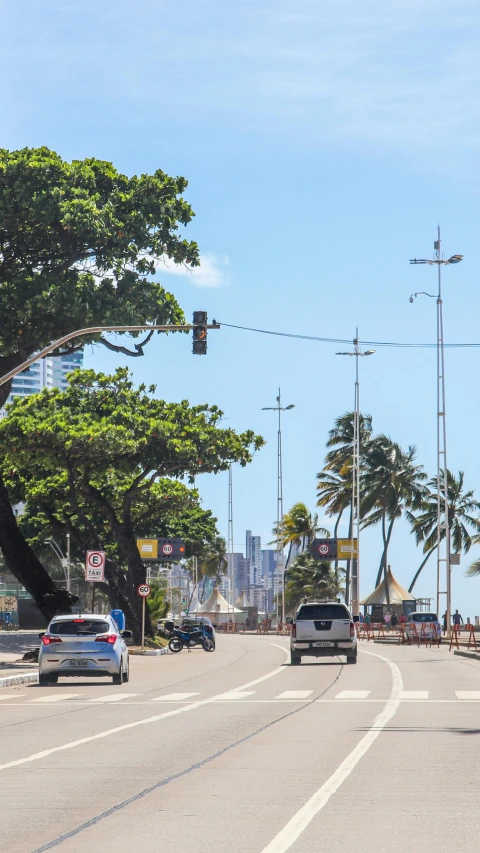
pixel 56 697
pixel 353 694
pixel 234 694
pixel 467 694
pixel 174 697
pixel 294 694
pixel 113 697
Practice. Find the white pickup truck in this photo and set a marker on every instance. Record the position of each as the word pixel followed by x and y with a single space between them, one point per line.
pixel 322 629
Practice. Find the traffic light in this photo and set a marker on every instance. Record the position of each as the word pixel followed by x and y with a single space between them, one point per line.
pixel 199 333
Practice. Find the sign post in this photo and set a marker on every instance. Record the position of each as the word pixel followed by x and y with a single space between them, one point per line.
pixel 144 591
pixel 94 570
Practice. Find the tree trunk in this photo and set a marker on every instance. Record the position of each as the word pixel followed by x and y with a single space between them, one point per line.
pixel 385 562
pixel 416 576
pixel 25 566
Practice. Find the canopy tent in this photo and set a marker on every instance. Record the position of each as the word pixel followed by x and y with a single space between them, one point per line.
pixel 397 593
pixel 250 611
pixel 218 610
pixel 242 601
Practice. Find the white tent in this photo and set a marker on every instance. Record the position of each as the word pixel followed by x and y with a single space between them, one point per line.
pixel 397 593
pixel 218 610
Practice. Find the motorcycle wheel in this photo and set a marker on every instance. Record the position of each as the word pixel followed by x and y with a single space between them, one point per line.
pixel 208 645
pixel 175 645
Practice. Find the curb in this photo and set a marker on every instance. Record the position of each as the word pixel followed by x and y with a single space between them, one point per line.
pixel 155 652
pixel 472 655
pixel 12 680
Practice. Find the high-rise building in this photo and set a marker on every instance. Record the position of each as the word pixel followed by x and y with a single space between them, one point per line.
pixel 48 372
pixel 254 555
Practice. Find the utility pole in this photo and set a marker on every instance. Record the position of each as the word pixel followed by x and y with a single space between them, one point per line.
pixel 231 568
pixel 68 562
pixel 443 522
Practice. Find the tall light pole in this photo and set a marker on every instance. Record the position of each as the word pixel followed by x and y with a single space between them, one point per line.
pixel 65 561
pixel 442 478
pixel 231 568
pixel 355 534
pixel 280 556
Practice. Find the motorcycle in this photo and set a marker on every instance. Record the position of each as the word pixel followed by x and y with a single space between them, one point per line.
pixel 189 638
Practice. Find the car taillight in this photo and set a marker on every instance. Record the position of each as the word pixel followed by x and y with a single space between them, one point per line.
pixel 107 638
pixel 294 630
pixel 47 641
pixel 352 629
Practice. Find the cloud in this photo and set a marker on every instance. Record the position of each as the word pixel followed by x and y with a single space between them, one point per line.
pixel 212 271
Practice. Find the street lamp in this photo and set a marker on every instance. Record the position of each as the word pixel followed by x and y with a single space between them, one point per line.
pixel 438 261
pixel 65 561
pixel 355 573
pixel 280 556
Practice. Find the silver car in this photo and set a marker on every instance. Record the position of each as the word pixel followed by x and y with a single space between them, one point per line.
pixel 83 645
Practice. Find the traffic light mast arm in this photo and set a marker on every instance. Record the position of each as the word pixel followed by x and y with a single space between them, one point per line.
pixel 94 330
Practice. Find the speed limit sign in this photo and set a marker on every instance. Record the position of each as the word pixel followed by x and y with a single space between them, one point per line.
pixel 323 549
pixel 167 549
pixel 144 590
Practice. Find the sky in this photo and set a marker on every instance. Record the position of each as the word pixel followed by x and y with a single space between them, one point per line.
pixel 323 141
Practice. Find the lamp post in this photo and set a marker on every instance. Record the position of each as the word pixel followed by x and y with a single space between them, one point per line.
pixel 355 527
pixel 65 561
pixel 280 561
pixel 442 479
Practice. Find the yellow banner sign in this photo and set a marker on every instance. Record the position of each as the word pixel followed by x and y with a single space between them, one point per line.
pixel 347 549
pixel 148 548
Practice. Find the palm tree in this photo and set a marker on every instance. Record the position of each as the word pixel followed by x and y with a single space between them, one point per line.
pixel 391 483
pixel 311 579
pixel 335 494
pixel 463 512
pixel 299 527
pixel 213 564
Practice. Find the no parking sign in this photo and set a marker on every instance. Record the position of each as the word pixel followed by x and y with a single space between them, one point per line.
pixel 95 566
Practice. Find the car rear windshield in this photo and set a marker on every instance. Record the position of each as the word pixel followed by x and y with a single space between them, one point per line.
pixel 311 612
pixel 424 617
pixel 76 627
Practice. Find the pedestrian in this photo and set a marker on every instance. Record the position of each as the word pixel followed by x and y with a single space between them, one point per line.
pixel 403 619
pixel 457 619
pixel 394 620
pixel 444 617
pixel 368 619
pixel 387 619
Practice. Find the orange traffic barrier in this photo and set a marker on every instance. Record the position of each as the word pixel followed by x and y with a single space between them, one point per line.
pixel 434 636
pixel 381 631
pixel 423 634
pixel 454 637
pixel 471 638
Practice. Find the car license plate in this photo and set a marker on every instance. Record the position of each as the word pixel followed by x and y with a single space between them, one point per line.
pixel 79 663
pixel 322 643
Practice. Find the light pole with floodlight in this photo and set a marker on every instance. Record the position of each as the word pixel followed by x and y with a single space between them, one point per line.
pixel 442 478
pixel 280 555
pixel 355 573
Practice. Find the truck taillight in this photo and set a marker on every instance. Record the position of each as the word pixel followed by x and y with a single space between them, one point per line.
pixel 47 641
pixel 294 630
pixel 352 629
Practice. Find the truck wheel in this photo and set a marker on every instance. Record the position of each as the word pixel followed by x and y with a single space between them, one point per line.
pixel 352 658
pixel 295 659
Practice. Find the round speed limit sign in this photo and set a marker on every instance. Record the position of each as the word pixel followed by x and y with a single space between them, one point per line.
pixel 144 590
pixel 323 549
pixel 167 549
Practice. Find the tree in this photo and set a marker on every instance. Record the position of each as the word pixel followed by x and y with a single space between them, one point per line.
pixel 299 527
pixel 309 578
pixel 391 483
pixel 213 564
pixel 463 513
pixel 340 439
pixel 104 448
pixel 79 243
pixel 335 495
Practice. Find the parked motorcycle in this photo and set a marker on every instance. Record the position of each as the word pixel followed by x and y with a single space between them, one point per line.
pixel 189 638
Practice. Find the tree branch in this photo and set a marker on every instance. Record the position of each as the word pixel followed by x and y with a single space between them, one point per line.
pixel 124 350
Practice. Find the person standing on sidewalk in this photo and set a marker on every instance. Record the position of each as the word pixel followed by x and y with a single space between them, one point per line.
pixel 394 620
pixel 387 618
pixel 457 619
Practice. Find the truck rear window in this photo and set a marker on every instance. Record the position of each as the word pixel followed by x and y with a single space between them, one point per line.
pixel 311 612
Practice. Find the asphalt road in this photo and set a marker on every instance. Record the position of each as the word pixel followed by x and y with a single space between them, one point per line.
pixel 238 751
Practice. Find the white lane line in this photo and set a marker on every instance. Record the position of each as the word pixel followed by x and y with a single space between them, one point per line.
pixel 145 722
pixel 294 694
pixel 113 697
pixel 174 697
pixel 467 694
pixel 11 696
pixel 413 694
pixel 234 694
pixel 299 822
pixel 56 697
pixel 353 694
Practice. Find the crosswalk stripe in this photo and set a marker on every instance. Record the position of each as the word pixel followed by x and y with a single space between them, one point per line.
pixel 56 697
pixel 11 696
pixel 294 694
pixel 174 697
pixel 236 694
pixel 353 694
pixel 413 694
pixel 113 697
pixel 467 694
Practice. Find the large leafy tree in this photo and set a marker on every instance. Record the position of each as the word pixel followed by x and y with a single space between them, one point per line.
pixel 299 528
pixel 103 449
pixel 392 482
pixel 463 518
pixel 79 243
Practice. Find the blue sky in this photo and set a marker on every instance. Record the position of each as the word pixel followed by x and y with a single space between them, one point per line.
pixel 323 140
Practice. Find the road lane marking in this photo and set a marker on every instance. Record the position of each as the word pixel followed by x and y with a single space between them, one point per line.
pixel 294 694
pixel 413 694
pixel 113 697
pixel 292 830
pixel 467 694
pixel 234 694
pixel 145 722
pixel 56 697
pixel 12 696
pixel 174 697
pixel 353 694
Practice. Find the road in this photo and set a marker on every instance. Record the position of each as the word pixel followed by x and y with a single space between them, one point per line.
pixel 239 751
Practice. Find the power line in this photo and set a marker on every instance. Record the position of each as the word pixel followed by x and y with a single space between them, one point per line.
pixel 345 340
